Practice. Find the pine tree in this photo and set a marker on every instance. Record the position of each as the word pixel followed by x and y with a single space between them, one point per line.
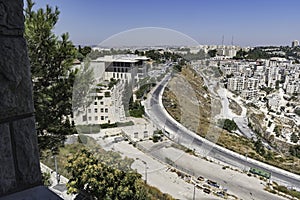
pixel 51 59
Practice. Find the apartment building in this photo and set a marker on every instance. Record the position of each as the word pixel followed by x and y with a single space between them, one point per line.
pixel 112 73
pixel 236 84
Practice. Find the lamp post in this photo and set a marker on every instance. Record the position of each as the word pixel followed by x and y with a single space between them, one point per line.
pixel 56 169
pixel 194 192
pixel 145 163
pixel 54 153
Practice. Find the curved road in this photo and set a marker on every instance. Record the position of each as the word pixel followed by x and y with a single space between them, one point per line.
pixel 180 134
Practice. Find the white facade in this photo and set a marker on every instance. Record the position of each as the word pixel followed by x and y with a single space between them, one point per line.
pixel 236 84
pixel 293 87
pixel 124 67
pixel 295 43
pixel 106 104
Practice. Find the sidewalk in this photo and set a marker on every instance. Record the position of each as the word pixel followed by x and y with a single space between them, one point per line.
pixel 60 189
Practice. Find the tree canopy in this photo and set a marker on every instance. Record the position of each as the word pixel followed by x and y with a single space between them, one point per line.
pixel 227 124
pixel 51 58
pixel 101 181
pixel 212 53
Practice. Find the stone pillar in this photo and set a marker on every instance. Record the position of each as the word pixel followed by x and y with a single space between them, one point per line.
pixel 19 159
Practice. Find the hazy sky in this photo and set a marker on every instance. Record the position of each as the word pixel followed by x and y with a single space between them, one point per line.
pixel 255 22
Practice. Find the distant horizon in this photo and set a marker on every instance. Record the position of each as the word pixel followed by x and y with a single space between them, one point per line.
pixel 95 45
pixel 249 23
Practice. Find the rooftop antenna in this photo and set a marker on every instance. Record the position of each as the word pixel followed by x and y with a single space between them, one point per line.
pixel 223 40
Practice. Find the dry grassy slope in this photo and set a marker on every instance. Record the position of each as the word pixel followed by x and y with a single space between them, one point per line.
pixel 188 102
pixel 235 107
pixel 256 118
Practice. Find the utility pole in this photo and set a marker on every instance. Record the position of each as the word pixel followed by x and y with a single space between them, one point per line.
pixel 54 151
pixel 222 40
pixel 145 172
pixel 145 163
pixel 194 194
pixel 56 169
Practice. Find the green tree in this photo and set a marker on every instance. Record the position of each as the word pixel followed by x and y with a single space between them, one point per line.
pixel 97 180
pixel 295 151
pixel 297 111
pixel 259 147
pixel 51 59
pixel 294 138
pixel 240 54
pixel 212 53
pixel 85 50
pixel 227 124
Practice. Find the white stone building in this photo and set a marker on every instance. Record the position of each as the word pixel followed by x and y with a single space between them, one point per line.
pixel 128 67
pixel 106 101
pixel 236 84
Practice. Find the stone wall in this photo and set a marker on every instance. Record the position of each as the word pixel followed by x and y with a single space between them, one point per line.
pixel 19 159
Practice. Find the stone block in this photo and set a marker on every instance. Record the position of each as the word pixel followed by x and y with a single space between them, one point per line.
pixel 15 78
pixel 7 170
pixel 11 17
pixel 27 154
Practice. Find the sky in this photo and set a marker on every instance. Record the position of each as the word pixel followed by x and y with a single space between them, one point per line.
pixel 249 23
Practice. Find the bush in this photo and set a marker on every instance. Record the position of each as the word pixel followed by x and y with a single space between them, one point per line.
pixel 136 109
pixel 107 125
pixel 297 111
pixel 46 178
pixel 227 124
pixel 156 138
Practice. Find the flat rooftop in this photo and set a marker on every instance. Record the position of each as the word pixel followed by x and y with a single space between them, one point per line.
pixel 129 58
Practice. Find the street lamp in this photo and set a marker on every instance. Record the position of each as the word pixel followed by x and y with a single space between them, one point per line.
pixel 145 163
pixel 54 153
pixel 194 193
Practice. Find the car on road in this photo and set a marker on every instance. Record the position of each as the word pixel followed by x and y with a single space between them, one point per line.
pixel 200 178
pixel 206 190
pixel 213 183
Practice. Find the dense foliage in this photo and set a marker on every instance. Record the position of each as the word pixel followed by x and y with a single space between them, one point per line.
pixel 51 58
pixel 98 179
pixel 227 124
pixel 295 151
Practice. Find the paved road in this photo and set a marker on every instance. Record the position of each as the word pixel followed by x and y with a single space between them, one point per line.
pixel 178 133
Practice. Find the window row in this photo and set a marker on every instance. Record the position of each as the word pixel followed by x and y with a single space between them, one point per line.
pixel 96 118
pixel 96 103
pixel 96 110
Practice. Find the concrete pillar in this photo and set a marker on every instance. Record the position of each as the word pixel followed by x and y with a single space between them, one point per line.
pixel 19 159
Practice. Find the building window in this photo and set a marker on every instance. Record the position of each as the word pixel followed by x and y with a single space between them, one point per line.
pixel 96 110
pixel 106 110
pixel 84 118
pixel 89 110
pixel 90 118
pixel 102 110
pixel 95 103
pixel 96 118
pixel 101 103
pixel 102 117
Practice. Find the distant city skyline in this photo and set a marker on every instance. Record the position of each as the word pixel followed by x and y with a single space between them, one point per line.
pixel 250 23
